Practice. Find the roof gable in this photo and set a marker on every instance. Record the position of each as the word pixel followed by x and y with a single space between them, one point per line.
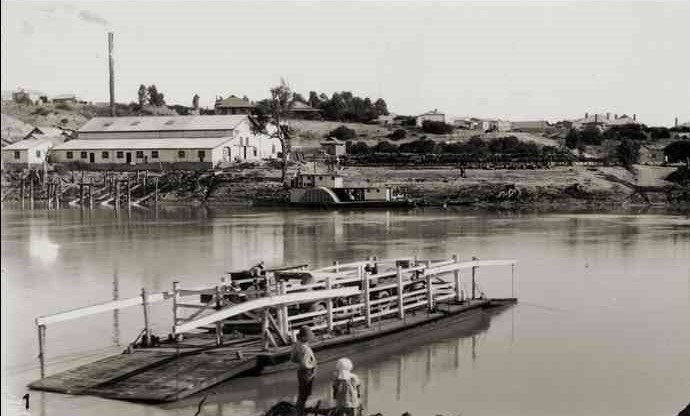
pixel 162 123
pixel 234 102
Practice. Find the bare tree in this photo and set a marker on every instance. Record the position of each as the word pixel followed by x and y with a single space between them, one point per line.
pixel 274 124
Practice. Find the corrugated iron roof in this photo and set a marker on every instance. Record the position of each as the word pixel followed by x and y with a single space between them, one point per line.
pixel 163 123
pixel 107 144
pixel 234 102
pixel 27 144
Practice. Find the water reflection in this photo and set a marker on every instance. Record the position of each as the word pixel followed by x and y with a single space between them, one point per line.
pixel 388 372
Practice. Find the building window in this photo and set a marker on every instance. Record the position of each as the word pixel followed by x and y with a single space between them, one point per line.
pixel 83 155
pixel 105 155
pixel 70 155
pixel 201 154
pixel 180 154
pixel 154 154
pixel 140 154
pixel 16 154
pixel 38 153
pixel 120 155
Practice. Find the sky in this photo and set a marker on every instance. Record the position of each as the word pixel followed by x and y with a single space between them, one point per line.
pixel 512 60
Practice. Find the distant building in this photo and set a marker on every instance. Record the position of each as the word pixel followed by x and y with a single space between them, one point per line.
pixel 25 154
pixel 29 96
pixel 652 154
pixel 603 121
pixel 334 147
pixel 302 110
pixel 434 115
pixel 182 142
pixel 65 98
pixel 387 120
pixel 534 126
pixel 233 105
pixel 494 125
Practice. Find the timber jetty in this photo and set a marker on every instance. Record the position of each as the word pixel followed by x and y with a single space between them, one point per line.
pixel 245 325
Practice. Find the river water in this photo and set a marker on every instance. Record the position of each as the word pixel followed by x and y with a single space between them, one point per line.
pixel 602 328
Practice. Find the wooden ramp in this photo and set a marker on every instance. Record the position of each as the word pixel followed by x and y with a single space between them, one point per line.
pixel 79 379
pixel 177 378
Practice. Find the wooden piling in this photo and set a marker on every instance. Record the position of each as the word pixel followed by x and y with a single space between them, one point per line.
pixel 429 292
pixel 367 298
pixel 31 193
pixel 512 281
pixel 81 192
pixel 176 299
pixel 42 349
pixel 117 194
pixel 329 303
pixel 129 193
pixel 474 276
pixel 91 194
pixel 401 302
pixel 219 324
pixel 147 313
pixel 456 279
pixel 21 191
pixel 156 192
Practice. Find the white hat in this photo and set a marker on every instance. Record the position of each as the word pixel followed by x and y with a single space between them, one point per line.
pixel 344 367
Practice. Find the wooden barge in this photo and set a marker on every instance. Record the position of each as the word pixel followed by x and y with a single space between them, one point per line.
pixel 247 323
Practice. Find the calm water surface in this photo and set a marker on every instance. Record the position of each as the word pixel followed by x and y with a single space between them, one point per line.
pixel 603 327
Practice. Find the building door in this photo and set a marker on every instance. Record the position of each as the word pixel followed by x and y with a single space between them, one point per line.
pixel 128 157
pixel 92 158
pixel 245 152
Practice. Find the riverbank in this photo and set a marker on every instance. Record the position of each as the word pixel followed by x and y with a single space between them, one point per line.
pixel 559 187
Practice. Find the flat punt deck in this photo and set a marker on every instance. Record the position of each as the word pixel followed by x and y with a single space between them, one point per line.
pixel 179 378
pixel 77 380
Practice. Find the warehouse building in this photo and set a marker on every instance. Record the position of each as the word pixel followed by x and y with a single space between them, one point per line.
pixel 179 142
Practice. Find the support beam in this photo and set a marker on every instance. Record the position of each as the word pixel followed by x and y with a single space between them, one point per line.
pixel 474 276
pixel 175 294
pixel 147 314
pixel 456 278
pixel 42 349
pixel 429 292
pixel 401 302
pixel 219 306
pixel 367 298
pixel 329 304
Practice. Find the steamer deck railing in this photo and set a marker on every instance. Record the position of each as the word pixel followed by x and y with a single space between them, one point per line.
pixel 249 322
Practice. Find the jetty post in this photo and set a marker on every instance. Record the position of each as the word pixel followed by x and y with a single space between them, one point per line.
pixel 367 298
pixel 31 193
pixel 147 313
pixel 401 302
pixel 155 181
pixel 429 290
pixel 329 302
pixel 117 194
pixel 42 348
pixel 456 279
pixel 512 281
pixel 474 276
pixel 21 191
pixel 219 306
pixel 284 323
pixel 175 301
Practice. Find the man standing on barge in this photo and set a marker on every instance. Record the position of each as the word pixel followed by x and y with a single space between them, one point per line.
pixel 304 357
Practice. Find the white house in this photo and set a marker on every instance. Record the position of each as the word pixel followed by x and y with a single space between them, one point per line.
pixel 434 115
pixel 185 142
pixel 27 153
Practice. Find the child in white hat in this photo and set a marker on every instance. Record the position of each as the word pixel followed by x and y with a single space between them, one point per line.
pixel 346 389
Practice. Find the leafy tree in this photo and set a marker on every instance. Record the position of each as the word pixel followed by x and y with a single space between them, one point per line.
pixel 572 139
pixel 270 120
pixel 421 146
pixel 359 148
pixel 657 133
pixel 343 133
pixel 155 98
pixel 385 147
pixel 398 134
pixel 381 107
pixel 628 152
pixel 141 94
pixel 436 127
pixel 591 135
pixel 626 131
pixel 678 151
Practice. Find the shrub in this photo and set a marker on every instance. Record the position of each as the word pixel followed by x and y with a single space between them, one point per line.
pixel 436 127
pixel 678 151
pixel 63 106
pixel 385 147
pixel 591 135
pixel 398 134
pixel 420 146
pixel 628 152
pixel 343 133
pixel 359 148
